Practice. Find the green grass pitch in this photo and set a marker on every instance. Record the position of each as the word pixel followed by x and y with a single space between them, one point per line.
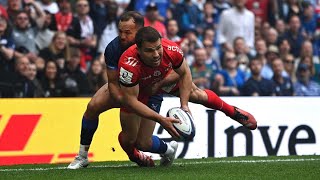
pixel 272 167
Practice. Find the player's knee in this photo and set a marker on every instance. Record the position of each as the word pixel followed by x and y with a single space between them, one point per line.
pixel 144 144
pixel 93 109
pixel 203 96
pixel 92 105
pixel 198 96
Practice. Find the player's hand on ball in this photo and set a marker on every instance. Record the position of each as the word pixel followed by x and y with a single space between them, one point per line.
pixel 167 124
pixel 186 109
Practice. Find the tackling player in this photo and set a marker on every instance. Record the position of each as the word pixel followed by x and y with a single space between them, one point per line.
pixel 108 97
pixel 151 60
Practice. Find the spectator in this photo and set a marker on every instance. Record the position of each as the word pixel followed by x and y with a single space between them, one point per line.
pixel 175 11
pixel 261 49
pixel 213 55
pixel 6 46
pixel 257 28
pixel 229 27
pixel 22 86
pixel 294 9
pixel 283 85
pixel 284 48
pixel 219 7
pixel 75 81
pixel 280 27
pixel 24 35
pixel 36 14
pixel 294 35
pixel 208 17
pixel 110 30
pixel 280 9
pixel 51 82
pixel 192 41
pixel 172 31
pixel 49 5
pixel 202 74
pixel 288 62
pixel 240 48
pixel 272 54
pixel 96 76
pixel 230 79
pixel 272 37
pixel 98 13
pixel 256 85
pixel 309 21
pixel 141 5
pixel 260 8
pixel 151 19
pixel 44 35
pixel 243 66
pixel 265 29
pixel 123 4
pixel 309 62
pixel 88 40
pixel 32 76
pixel 305 86
pixel 65 21
pixel 209 34
pixel 190 17
pixel 307 51
pixel 57 51
pixel 14 6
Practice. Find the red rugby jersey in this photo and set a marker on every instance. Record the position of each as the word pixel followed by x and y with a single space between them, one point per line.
pixel 133 71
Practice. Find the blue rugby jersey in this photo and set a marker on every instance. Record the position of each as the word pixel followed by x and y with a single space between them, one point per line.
pixel 112 53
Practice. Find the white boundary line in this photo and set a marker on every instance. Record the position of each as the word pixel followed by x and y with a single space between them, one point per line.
pixel 187 163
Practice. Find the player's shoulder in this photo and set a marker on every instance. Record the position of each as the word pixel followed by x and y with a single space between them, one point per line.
pixel 129 67
pixel 171 47
pixel 130 52
pixel 130 57
pixel 114 45
pixel 112 53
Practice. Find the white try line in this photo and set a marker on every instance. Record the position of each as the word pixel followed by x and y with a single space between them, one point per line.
pixel 186 163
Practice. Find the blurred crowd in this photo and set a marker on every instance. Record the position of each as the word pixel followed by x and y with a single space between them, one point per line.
pixel 54 48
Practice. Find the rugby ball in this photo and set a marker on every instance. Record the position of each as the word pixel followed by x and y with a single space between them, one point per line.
pixel 186 127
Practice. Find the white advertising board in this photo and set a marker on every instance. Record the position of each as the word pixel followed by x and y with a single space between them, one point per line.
pixel 286 126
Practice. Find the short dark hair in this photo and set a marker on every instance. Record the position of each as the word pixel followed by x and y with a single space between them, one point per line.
pixel 137 17
pixel 254 58
pixel 148 34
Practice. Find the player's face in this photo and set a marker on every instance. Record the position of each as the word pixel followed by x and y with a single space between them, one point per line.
pixel 127 33
pixel 151 53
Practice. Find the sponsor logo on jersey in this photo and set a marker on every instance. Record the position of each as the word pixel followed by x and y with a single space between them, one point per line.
pixel 125 76
pixel 175 48
pixel 156 73
pixel 131 61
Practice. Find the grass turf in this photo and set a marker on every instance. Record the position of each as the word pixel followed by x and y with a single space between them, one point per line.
pixel 288 167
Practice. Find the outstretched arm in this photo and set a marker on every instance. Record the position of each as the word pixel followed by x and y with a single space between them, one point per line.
pixel 185 84
pixel 130 99
pixel 113 84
